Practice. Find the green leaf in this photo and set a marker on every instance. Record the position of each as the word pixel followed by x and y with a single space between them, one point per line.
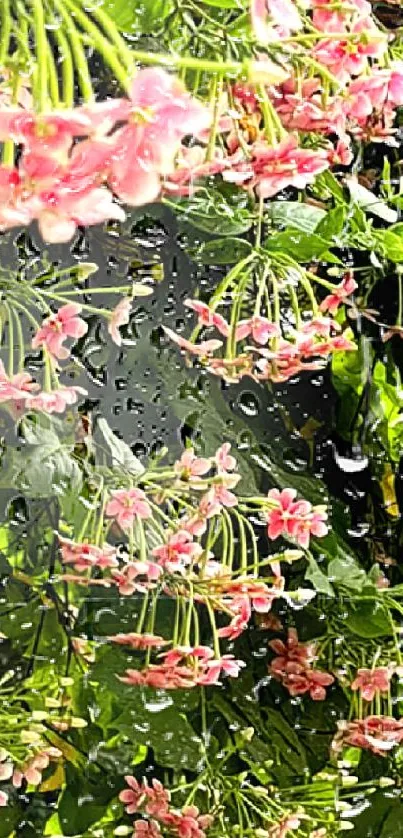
pixel 369 619
pixel 303 247
pixel 345 575
pixel 332 225
pixel 318 578
pixel 370 202
pixel 211 212
pixel 138 18
pixel 122 456
pixel 303 217
pixel 221 251
pixel 392 245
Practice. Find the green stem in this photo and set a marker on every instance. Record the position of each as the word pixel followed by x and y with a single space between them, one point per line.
pixel 112 31
pixel 67 66
pixel 101 44
pixel 79 57
pixel 6 26
pixel 41 49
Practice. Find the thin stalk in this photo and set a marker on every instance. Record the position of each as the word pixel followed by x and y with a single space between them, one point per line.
pixel 53 77
pixel 41 49
pixel 67 66
pixel 77 50
pixel 101 44
pixel 10 335
pixel 112 31
pixel 5 29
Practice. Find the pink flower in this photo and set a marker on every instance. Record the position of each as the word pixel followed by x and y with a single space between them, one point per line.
pixel 378 734
pixel 179 551
pixel 132 797
pixel 188 823
pixel 161 677
pixel 146 829
pixel 296 519
pixel 299 680
pixel 223 459
pixel 273 168
pixel 126 505
pixel 345 59
pixel 128 580
pixel 56 328
pixel 290 651
pixel 217 497
pixel 283 14
pixel 332 302
pixel 55 401
pixel 208 317
pixel 3 798
pixel 51 133
pixel 372 681
pixel 60 212
pixel 190 466
pixel 202 350
pixel 138 641
pixel 226 665
pixel 83 556
pixel 161 113
pixel 260 328
pixel 16 388
pixel 120 317
pixel 288 824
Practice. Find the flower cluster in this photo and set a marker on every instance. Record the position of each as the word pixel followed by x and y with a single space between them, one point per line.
pixel 185 565
pixel 268 355
pixel 153 803
pixel 292 666
pixel 125 147
pixel 379 734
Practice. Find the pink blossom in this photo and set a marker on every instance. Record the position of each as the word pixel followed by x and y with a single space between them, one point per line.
pixel 378 734
pixel 146 829
pixel 188 823
pixel 283 14
pixel 202 350
pixel 371 682
pixel 161 113
pixel 127 579
pixel 273 168
pixel 17 387
pixel 60 212
pixel 332 302
pixel 189 466
pixel 54 401
pixel 138 641
pixel 126 505
pixel 223 459
pixel 345 59
pixel 226 665
pixel 51 133
pixel 120 317
pixel 260 328
pixel 218 496
pixel 298 680
pixel 296 519
pixel 208 317
pixel 161 677
pixel 83 556
pixel 288 824
pixel 3 798
pixel 56 328
pixel 290 651
pixel 179 551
